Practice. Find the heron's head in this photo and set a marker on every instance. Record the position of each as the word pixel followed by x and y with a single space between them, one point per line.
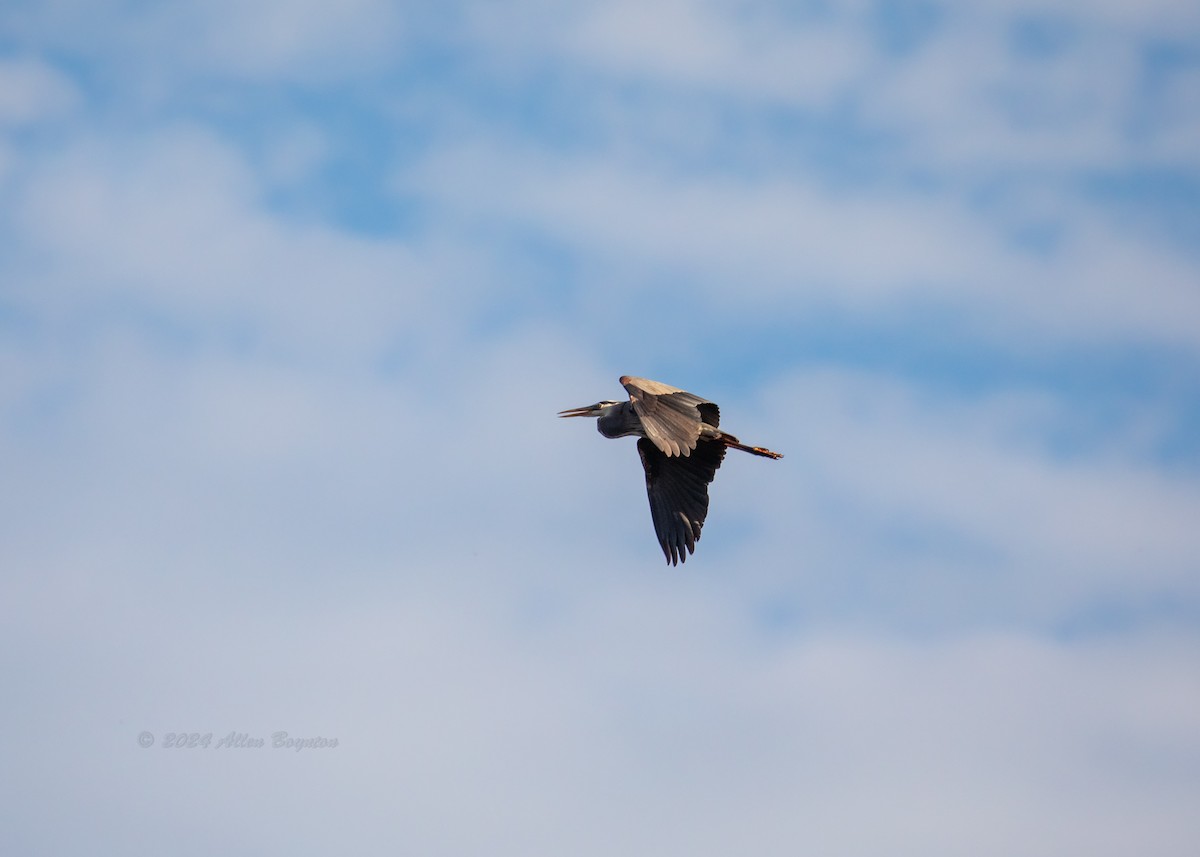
pixel 597 410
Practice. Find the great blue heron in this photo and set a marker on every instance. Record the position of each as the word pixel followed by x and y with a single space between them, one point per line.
pixel 681 449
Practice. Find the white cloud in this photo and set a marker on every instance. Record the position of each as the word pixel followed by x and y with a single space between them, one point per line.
pixel 966 101
pixel 265 473
pixel 32 91
pixel 309 40
pixel 1153 18
pixel 722 48
pixel 294 153
pixel 642 730
pixel 176 223
pixel 798 246
pixel 902 505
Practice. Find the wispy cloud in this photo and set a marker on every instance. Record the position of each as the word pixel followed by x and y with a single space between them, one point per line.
pixel 291 293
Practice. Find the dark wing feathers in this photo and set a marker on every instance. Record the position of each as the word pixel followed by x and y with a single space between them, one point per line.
pixel 678 491
pixel 670 417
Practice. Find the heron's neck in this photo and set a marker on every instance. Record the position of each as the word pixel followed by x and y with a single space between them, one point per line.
pixel 619 420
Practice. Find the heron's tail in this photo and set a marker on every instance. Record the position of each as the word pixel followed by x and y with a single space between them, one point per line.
pixel 730 440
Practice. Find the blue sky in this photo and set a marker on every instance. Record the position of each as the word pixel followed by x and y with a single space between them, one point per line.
pixel 290 293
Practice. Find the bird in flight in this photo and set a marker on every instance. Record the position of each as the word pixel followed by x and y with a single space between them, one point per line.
pixel 681 448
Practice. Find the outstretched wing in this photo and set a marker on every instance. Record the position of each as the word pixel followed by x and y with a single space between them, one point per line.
pixel 670 417
pixel 678 490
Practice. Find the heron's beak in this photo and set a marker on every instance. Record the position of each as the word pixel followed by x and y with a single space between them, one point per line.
pixel 586 411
